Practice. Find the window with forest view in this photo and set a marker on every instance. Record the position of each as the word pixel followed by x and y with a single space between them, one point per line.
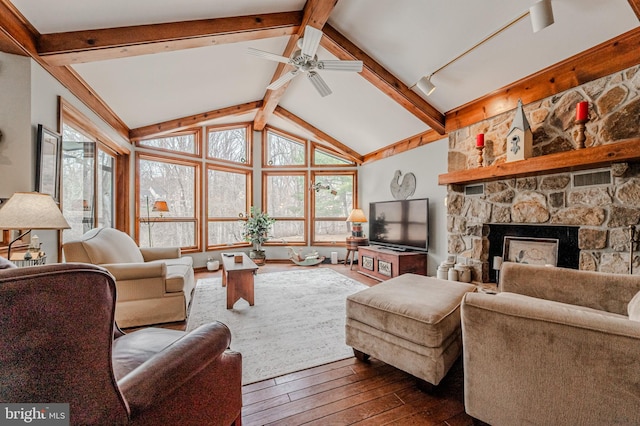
pixel 333 200
pixel 283 150
pixel 322 157
pixel 286 202
pixel 186 142
pixel 176 182
pixel 227 198
pixel 229 143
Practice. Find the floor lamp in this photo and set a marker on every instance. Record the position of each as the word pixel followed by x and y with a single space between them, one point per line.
pixel 158 206
pixel 31 210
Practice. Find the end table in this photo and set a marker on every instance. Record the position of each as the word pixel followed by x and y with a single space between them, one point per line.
pixel 352 244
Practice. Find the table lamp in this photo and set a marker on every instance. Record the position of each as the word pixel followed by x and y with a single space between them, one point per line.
pixel 31 210
pixel 357 218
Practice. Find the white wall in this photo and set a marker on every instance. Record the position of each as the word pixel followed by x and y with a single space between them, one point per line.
pixel 426 163
pixel 17 172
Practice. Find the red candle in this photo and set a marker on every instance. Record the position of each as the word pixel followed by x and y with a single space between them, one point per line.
pixel 582 110
pixel 480 140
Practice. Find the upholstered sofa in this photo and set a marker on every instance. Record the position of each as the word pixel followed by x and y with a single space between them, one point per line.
pixel 154 284
pixel 555 347
pixel 59 344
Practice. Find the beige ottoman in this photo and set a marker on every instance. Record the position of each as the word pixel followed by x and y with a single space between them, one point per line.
pixel 411 322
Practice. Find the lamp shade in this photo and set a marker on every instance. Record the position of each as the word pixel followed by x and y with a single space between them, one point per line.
pixel 357 216
pixel 32 210
pixel 160 206
pixel 541 15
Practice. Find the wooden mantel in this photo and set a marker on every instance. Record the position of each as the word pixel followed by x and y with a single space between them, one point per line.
pixel 578 159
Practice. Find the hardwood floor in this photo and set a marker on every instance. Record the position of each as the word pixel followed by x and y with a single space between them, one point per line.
pixel 349 391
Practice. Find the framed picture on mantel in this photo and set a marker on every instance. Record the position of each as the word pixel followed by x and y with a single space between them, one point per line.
pixel 534 251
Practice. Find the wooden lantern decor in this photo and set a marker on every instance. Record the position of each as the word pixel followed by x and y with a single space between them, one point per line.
pixel 520 137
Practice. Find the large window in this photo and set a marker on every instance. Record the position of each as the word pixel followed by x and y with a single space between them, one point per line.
pixel 332 201
pixel 228 197
pixel 93 176
pixel 281 149
pixel 229 143
pixel 184 142
pixel 286 201
pixel 176 183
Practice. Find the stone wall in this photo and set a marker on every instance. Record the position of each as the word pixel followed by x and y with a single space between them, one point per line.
pixel 603 212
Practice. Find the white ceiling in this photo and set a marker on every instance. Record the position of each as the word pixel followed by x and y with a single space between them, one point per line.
pixel 410 38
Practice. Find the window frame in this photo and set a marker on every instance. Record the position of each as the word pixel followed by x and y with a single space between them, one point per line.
pixel 328 151
pixel 222 127
pixel 283 134
pixel 312 205
pixel 196 131
pixel 249 177
pixel 265 203
pixel 196 219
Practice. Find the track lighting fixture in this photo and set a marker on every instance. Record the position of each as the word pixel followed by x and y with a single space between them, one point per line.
pixel 541 17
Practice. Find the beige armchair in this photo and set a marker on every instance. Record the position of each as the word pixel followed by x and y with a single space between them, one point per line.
pixel 555 346
pixel 154 284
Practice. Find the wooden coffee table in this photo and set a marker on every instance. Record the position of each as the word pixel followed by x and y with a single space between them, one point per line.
pixel 238 278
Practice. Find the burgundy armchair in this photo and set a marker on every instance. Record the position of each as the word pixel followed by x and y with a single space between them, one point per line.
pixel 59 344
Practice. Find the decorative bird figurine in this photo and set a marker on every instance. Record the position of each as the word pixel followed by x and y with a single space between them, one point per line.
pixel 402 191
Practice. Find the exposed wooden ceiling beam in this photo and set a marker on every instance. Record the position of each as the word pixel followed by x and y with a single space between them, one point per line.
pixel 109 43
pixel 17 29
pixel 404 145
pixel 635 5
pixel 315 14
pixel 182 123
pixel 319 134
pixel 377 75
pixel 621 52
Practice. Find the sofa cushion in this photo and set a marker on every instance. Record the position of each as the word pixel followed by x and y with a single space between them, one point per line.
pixel 633 308
pixel 177 271
pixel 423 310
pixel 108 245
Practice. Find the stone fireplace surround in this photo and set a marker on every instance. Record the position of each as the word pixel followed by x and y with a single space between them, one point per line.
pixel 601 214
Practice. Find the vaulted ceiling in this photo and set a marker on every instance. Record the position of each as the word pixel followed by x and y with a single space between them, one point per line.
pixel 153 66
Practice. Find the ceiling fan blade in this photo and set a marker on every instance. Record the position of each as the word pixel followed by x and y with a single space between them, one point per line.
pixel 319 84
pixel 267 55
pixel 311 41
pixel 282 80
pixel 340 65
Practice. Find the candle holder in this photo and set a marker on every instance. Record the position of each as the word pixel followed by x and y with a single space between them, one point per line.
pixel 581 137
pixel 480 158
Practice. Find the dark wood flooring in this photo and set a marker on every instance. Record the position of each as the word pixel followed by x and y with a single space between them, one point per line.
pixel 349 392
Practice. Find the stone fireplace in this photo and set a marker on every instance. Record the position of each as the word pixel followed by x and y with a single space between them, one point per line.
pixel 596 205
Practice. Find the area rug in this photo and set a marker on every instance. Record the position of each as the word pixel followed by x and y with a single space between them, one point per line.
pixel 297 320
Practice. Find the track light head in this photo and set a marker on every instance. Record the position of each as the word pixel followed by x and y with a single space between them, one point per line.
pixel 425 85
pixel 541 15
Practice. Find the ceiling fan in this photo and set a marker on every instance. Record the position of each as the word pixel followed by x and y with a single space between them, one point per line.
pixel 306 62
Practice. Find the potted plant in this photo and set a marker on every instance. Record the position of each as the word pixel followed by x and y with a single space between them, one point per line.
pixel 256 229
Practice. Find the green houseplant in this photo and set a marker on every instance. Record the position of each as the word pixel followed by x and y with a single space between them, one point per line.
pixel 256 230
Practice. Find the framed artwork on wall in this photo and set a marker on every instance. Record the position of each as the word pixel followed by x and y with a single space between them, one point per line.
pixel 49 157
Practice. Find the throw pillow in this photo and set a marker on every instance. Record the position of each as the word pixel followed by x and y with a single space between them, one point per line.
pixel 6 264
pixel 633 308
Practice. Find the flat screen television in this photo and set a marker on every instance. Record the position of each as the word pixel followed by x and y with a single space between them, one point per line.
pixel 400 224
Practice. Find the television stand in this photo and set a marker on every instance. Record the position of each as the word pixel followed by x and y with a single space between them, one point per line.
pixel 383 263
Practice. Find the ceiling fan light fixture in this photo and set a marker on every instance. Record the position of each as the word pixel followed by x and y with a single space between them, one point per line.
pixel 541 15
pixel 425 85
